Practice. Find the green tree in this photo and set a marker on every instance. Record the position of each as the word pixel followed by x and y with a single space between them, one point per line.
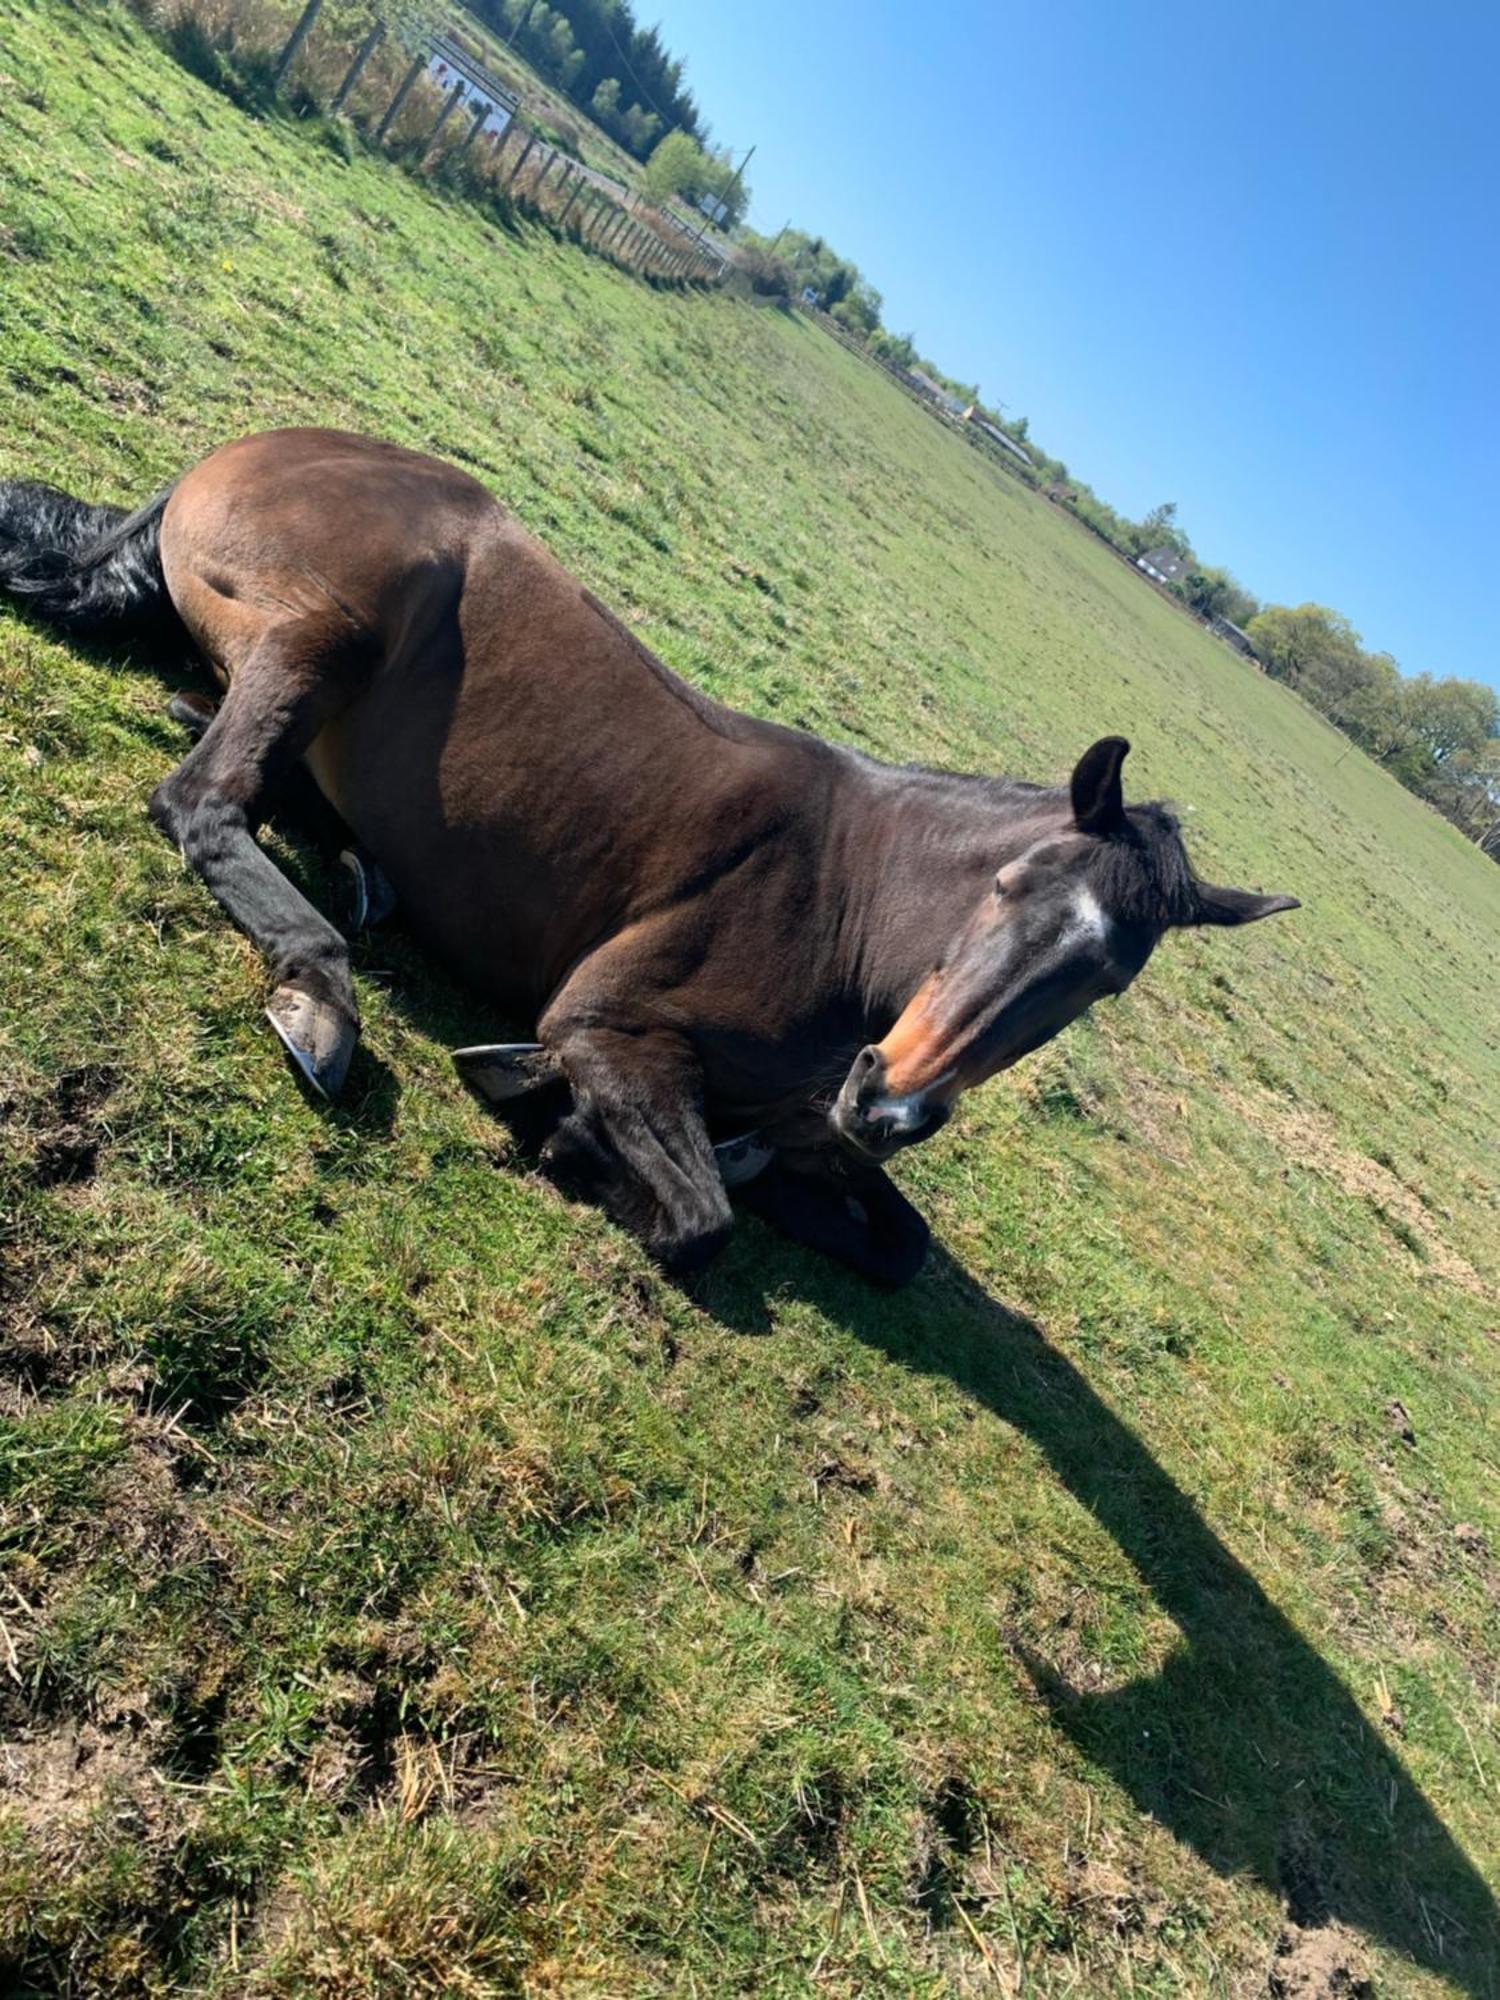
pixel 1452 718
pixel 678 166
pixel 898 348
pixel 1207 591
pixel 859 312
pixel 1308 642
pixel 1161 526
pixel 1213 593
pixel 641 128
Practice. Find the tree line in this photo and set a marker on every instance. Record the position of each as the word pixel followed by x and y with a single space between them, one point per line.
pixel 596 54
pixel 794 264
pixel 1440 736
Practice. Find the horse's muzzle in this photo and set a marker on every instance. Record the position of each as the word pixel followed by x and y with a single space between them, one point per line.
pixel 875 1124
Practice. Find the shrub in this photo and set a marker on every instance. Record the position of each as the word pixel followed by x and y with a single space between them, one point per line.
pixel 766 275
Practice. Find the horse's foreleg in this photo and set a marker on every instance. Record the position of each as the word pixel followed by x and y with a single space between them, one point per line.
pixel 635 1141
pixel 848 1211
pixel 293 681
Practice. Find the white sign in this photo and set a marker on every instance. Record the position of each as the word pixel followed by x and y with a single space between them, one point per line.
pixel 445 76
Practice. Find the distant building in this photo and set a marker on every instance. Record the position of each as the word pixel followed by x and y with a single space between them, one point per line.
pixel 1232 635
pixel 448 64
pixel 1164 565
pixel 935 391
pixel 996 436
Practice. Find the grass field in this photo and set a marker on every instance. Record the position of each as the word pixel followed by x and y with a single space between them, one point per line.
pixel 404 1589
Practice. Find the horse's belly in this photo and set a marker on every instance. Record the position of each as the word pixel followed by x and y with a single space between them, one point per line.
pixel 495 858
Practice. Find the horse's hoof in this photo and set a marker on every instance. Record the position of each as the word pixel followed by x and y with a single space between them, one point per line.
pixel 740 1160
pixel 500 1072
pixel 374 898
pixel 318 1038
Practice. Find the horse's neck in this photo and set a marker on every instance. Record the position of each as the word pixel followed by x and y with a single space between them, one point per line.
pixel 920 852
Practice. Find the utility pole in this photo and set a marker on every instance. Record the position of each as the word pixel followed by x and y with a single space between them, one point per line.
pixel 739 174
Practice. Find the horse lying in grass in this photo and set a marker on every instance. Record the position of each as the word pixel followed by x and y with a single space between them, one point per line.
pixel 729 934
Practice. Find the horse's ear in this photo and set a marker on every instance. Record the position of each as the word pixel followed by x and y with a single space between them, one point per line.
pixel 1238 906
pixel 1098 801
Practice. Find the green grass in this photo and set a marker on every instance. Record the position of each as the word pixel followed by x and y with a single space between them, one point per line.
pixel 405 1590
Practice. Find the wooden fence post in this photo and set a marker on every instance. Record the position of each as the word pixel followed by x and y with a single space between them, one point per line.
pixel 362 55
pixel 450 105
pixel 295 40
pixel 513 175
pixel 404 90
pixel 501 139
pixel 547 165
pixel 473 132
pixel 579 185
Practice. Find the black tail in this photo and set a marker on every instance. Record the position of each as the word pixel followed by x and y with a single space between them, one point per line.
pixel 95 571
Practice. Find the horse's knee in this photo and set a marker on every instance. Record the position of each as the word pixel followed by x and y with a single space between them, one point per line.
pixel 584 1157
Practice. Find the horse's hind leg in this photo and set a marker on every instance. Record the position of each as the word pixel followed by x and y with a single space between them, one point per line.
pixel 294 680
pixel 372 899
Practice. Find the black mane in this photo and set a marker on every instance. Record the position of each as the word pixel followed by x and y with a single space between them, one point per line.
pixel 1143 871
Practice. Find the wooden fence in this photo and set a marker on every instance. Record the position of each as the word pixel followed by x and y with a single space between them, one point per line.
pixel 388 91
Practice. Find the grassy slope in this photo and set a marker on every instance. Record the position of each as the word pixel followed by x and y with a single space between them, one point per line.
pixel 396 1570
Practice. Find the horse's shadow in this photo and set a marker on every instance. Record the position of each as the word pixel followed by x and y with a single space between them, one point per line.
pixel 1245 1744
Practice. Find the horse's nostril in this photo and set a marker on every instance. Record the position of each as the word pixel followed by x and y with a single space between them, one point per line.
pixel 869 1068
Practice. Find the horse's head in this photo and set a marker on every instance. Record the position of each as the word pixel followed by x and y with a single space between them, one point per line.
pixel 1070 920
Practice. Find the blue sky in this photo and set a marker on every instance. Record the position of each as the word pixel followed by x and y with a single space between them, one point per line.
pixel 1241 257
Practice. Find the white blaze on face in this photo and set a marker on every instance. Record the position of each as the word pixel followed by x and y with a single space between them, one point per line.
pixel 1088 915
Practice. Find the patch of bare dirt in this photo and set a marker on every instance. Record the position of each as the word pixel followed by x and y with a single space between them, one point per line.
pixel 1311 1139
pixel 1319 1962
pixel 143 1512
pixel 74 1785
pixel 62 1137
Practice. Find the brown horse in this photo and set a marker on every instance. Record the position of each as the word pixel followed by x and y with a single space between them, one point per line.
pixel 721 927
